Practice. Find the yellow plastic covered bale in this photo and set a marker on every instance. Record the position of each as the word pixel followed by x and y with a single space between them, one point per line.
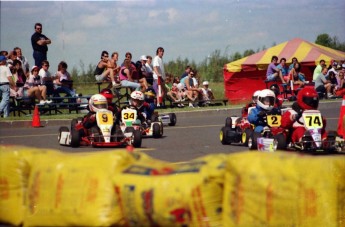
pixel 15 163
pixel 157 193
pixel 284 189
pixel 75 189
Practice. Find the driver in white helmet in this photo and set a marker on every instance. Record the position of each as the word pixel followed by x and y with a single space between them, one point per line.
pixel 137 101
pixel 97 102
pixel 252 103
pixel 264 105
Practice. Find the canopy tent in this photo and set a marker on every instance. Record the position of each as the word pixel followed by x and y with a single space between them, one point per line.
pixel 246 75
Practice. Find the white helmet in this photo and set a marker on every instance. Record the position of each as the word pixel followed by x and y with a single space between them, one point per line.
pixel 266 99
pixel 98 102
pixel 255 96
pixel 137 99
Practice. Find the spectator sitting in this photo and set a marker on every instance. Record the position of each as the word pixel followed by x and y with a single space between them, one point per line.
pixel 186 72
pixel 172 91
pixel 273 72
pixel 340 91
pixel 126 76
pixel 333 80
pixel 19 79
pixel 63 81
pixel 23 60
pixel 284 70
pixel 292 65
pixel 318 69
pixel 193 91
pixel 145 71
pixel 104 70
pixel 47 78
pixel 333 69
pixel 322 85
pixel 34 89
pixel 296 76
pixel 149 70
pixel 207 93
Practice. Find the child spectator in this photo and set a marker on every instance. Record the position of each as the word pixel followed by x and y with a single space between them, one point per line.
pixel 207 94
pixel 34 88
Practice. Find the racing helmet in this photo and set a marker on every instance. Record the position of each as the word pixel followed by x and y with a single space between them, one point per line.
pixel 108 94
pixel 308 99
pixel 266 99
pixel 137 99
pixel 98 102
pixel 255 96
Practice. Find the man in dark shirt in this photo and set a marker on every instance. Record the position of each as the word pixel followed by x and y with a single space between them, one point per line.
pixel 39 44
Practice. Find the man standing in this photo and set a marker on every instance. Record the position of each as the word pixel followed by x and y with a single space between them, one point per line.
pixel 39 44
pixel 159 75
pixel 5 82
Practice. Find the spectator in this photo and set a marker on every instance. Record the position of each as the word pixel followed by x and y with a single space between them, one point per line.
pixel 294 61
pixel 207 93
pixel 323 85
pixel 159 74
pixel 116 68
pixel 333 80
pixel 273 72
pixel 47 78
pixel 4 53
pixel 11 57
pixel 126 75
pixel 192 92
pixel 340 91
pixel 318 69
pixel 19 79
pixel 5 83
pixel 149 69
pixel 284 70
pixel 172 91
pixel 34 88
pixel 63 81
pixel 146 71
pixel 24 61
pixel 333 69
pixel 296 76
pixel 104 70
pixel 39 44
pixel 186 72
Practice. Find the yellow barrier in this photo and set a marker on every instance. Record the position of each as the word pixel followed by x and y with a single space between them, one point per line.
pixel 156 193
pixel 284 189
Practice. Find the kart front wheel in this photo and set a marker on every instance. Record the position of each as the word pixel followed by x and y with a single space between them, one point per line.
pixel 223 135
pixel 253 140
pixel 137 138
pixel 156 130
pixel 281 140
pixel 228 122
pixel 246 135
pixel 61 130
pixel 75 138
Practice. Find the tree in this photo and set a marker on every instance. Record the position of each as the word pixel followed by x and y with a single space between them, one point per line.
pixel 324 40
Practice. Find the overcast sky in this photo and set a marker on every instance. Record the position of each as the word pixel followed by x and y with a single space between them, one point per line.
pixel 190 29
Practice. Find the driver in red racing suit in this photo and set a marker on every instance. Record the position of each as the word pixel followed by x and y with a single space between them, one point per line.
pixel 97 102
pixel 307 99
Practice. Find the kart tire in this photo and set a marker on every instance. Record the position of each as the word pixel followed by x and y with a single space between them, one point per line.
pixel 173 119
pixel 253 140
pixel 129 129
pixel 75 138
pixel 223 135
pixel 281 141
pixel 331 140
pixel 74 121
pixel 62 129
pixel 228 122
pixel 137 138
pixel 156 130
pixel 246 135
pixel 154 118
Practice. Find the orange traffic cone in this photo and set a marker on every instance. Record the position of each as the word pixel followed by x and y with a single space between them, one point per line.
pixel 36 122
pixel 341 126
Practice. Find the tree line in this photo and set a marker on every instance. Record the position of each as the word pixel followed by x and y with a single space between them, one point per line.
pixel 210 68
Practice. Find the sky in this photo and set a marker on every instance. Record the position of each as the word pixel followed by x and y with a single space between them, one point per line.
pixel 192 29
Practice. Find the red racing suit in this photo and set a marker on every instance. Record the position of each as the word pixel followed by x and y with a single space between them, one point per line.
pixel 293 121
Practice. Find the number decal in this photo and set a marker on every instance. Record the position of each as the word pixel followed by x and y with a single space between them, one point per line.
pixel 313 121
pixel 105 118
pixel 128 116
pixel 273 120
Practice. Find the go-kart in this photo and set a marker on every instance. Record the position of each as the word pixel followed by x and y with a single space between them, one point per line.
pixel 149 128
pixel 168 119
pixel 102 135
pixel 272 136
pixel 237 130
pixel 312 140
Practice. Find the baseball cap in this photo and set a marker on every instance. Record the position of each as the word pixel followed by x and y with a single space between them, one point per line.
pixel 3 58
pixel 343 66
pixel 205 83
pixel 143 57
pixel 34 67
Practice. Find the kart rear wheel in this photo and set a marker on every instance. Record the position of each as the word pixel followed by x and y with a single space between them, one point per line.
pixel 253 140
pixel 156 130
pixel 137 138
pixel 61 130
pixel 330 143
pixel 75 138
pixel 173 119
pixel 246 135
pixel 223 135
pixel 74 121
pixel 228 122
pixel 281 140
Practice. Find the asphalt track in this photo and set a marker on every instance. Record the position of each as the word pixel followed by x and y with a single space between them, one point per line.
pixel 196 134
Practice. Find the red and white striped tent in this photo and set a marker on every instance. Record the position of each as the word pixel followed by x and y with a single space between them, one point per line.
pixel 246 75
